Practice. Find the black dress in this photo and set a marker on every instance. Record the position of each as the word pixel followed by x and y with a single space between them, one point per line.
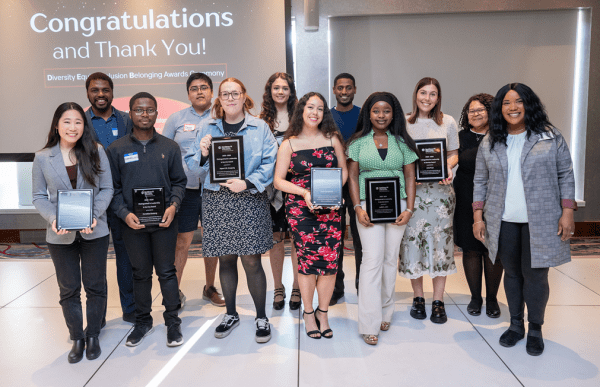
pixel 317 235
pixel 463 187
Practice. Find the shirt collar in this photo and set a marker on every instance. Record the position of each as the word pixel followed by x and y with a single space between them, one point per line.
pixel 203 115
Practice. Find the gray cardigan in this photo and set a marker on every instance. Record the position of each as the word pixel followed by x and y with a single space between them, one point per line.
pixel 548 178
pixel 50 174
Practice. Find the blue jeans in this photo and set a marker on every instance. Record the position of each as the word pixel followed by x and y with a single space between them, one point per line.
pixel 124 271
pixel 83 260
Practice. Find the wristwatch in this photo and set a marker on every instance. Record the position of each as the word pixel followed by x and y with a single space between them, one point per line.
pixel 176 206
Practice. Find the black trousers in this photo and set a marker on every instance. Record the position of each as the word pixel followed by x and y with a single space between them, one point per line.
pixel 338 291
pixel 522 284
pixel 83 260
pixel 148 248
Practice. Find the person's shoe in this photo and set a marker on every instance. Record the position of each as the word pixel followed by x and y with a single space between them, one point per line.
pixel 279 293
pixel 92 348
pixel 535 343
pixel 137 336
pixel 335 299
pixel 385 326
pixel 327 333
pixel 474 307
pixel 129 317
pixel 510 338
pixel 311 333
pixel 174 336
pixel 418 309
pixel 438 312
pixel 211 294
pixel 76 353
pixel 370 339
pixel 295 299
pixel 492 309
pixel 228 324
pixel 263 330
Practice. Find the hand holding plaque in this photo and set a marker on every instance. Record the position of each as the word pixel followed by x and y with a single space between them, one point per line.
pixel 326 187
pixel 149 205
pixel 74 209
pixel 226 159
pixel 432 164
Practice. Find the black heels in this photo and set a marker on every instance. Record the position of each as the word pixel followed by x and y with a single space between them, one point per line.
pixel 76 353
pixel 295 305
pixel 326 331
pixel 315 331
pixel 279 292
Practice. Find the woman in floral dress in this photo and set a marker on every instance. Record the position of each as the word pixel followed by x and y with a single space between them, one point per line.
pixel 312 140
pixel 428 246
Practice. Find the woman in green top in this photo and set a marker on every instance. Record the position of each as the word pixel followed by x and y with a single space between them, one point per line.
pixel 381 147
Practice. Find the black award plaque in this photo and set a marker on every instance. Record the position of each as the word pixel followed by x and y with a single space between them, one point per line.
pixel 326 187
pixel 149 205
pixel 432 164
pixel 74 209
pixel 226 159
pixel 383 199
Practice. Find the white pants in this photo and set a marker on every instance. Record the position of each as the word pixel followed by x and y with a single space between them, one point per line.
pixel 380 247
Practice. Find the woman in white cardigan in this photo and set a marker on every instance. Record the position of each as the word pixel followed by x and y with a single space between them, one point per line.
pixel 72 160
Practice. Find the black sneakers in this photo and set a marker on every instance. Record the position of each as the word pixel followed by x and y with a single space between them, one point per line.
pixel 174 336
pixel 137 336
pixel 263 330
pixel 228 323
pixel 418 309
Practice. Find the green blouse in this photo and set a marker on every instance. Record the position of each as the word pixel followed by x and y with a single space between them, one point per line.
pixel 364 151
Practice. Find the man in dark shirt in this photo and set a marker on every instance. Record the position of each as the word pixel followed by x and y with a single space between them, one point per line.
pixel 109 125
pixel 345 115
pixel 147 160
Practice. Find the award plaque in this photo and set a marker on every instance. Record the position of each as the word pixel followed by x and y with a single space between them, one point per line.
pixel 226 159
pixel 326 187
pixel 432 164
pixel 149 205
pixel 383 199
pixel 74 209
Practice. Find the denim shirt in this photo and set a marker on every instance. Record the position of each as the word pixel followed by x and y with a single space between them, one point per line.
pixel 260 152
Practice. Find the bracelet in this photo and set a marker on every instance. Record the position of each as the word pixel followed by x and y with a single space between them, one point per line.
pixel 357 205
pixel 411 211
pixel 481 221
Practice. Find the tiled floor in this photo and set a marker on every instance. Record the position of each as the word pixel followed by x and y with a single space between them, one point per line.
pixel 34 341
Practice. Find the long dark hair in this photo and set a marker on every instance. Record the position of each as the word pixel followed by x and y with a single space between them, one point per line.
pixel 85 149
pixel 482 98
pixel 327 125
pixel 536 118
pixel 436 112
pixel 269 111
pixel 397 126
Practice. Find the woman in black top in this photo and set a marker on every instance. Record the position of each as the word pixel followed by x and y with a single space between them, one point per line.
pixel 475 123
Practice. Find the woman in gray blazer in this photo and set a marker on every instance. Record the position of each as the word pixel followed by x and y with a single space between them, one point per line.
pixel 72 160
pixel 523 203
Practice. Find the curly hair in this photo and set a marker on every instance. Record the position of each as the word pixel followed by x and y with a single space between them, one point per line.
pixel 217 109
pixel 536 118
pixel 482 98
pixel 436 112
pixel 85 149
pixel 269 111
pixel 397 126
pixel 327 125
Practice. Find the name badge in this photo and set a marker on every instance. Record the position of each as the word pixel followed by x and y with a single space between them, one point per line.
pixel 131 157
pixel 189 127
pixel 115 132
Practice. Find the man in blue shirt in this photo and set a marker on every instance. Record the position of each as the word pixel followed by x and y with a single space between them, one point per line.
pixel 182 127
pixel 109 125
pixel 345 115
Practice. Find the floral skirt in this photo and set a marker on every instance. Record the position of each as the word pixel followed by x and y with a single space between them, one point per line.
pixel 428 243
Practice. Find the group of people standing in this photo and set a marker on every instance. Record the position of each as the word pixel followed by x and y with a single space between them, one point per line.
pixel 510 205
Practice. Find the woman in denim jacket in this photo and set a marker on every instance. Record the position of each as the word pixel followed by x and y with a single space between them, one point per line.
pixel 236 213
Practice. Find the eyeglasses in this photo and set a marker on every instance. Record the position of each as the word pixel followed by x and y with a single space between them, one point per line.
pixel 194 89
pixel 476 112
pixel 150 111
pixel 233 94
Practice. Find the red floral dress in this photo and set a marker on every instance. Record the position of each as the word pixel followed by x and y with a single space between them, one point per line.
pixel 317 235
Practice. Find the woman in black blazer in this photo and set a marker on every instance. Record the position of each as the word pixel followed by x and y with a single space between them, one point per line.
pixel 72 160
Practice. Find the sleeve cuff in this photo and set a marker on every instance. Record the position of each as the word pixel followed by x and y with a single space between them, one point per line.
pixel 203 160
pixel 478 206
pixel 569 203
